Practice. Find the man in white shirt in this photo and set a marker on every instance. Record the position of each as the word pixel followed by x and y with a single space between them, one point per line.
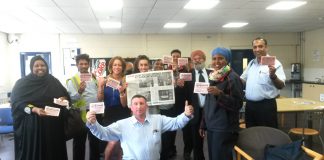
pixel 263 84
pixel 139 135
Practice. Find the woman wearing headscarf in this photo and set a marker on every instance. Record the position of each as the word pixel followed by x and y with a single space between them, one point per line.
pixel 222 105
pixel 38 136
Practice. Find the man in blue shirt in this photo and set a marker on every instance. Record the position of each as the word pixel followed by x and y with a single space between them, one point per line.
pixel 263 84
pixel 139 135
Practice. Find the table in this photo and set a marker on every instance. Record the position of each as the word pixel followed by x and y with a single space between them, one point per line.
pixel 5 105
pixel 300 105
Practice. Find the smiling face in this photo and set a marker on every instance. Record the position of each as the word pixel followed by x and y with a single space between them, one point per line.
pixel 218 61
pixel 198 62
pixel 39 68
pixel 143 65
pixel 259 48
pixel 117 67
pixel 175 56
pixel 139 107
pixel 83 66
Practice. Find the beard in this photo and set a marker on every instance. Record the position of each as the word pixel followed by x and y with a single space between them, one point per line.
pixel 199 66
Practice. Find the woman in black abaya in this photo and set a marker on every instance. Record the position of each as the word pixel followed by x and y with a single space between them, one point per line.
pixel 38 136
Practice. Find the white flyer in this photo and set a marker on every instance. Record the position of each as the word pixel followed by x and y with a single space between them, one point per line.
pixel 201 87
pixel 99 107
pixel 167 59
pixel 85 77
pixel 60 102
pixel 268 60
pixel 182 61
pixel 52 111
pixel 113 83
pixel 186 76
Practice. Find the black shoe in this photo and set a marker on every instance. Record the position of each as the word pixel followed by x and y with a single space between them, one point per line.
pixel 186 156
pixel 172 154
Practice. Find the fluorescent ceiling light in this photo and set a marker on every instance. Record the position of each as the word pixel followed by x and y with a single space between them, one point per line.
pixel 106 5
pixel 286 5
pixel 110 24
pixel 201 4
pixel 175 25
pixel 234 25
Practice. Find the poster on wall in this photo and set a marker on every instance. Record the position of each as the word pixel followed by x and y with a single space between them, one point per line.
pixel 69 63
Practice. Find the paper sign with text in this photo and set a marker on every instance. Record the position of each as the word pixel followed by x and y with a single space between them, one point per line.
pixel 52 111
pixel 99 107
pixel 113 83
pixel 186 76
pixel 268 60
pixel 60 102
pixel 167 60
pixel 201 87
pixel 182 61
pixel 85 77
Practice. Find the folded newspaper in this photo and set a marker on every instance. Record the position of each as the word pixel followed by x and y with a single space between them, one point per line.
pixel 156 86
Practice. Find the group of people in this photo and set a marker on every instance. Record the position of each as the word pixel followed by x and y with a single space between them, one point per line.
pixel 139 131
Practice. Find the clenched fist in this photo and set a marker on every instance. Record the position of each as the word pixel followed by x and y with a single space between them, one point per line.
pixel 189 110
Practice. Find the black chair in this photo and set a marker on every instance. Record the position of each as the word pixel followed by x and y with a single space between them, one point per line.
pixel 252 142
pixel 6 122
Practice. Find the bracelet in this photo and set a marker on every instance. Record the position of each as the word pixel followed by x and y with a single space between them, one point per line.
pixel 273 77
pixel 122 94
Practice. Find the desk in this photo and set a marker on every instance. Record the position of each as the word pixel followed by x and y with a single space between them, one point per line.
pixel 300 105
pixel 5 105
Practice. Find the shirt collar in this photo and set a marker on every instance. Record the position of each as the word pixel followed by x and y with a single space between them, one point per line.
pixel 135 121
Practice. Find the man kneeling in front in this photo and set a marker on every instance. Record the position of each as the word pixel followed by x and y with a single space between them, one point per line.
pixel 139 135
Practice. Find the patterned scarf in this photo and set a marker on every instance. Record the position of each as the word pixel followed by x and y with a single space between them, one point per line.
pixel 219 75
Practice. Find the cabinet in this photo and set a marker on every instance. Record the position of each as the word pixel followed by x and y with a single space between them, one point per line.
pixel 312 91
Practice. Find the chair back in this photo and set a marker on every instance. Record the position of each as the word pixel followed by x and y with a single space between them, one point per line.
pixel 253 140
pixel 5 116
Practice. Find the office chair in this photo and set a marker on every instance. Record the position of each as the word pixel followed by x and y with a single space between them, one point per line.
pixel 6 122
pixel 252 142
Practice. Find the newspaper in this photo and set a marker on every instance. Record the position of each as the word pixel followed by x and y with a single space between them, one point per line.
pixel 156 86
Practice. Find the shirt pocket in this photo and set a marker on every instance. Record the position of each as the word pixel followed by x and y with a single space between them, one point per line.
pixel 264 76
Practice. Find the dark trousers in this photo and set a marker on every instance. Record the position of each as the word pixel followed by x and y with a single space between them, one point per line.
pixel 168 138
pixel 261 113
pixel 193 141
pixel 221 144
pixel 191 138
pixel 79 145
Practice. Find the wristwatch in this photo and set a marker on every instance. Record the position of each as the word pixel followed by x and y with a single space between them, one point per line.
pixel 28 108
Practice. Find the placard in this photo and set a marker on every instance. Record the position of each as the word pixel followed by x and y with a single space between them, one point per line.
pixel 201 87
pixel 268 60
pixel 182 61
pixel 52 111
pixel 99 107
pixel 167 60
pixel 186 76
pixel 85 77
pixel 60 102
pixel 113 83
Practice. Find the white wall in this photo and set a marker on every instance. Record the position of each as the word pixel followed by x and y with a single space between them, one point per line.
pixel 4 65
pixel 283 45
pixel 314 55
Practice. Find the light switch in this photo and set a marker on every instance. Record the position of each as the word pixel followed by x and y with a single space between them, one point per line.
pixel 322 97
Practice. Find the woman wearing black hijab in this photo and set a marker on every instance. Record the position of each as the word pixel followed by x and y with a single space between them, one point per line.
pixel 38 136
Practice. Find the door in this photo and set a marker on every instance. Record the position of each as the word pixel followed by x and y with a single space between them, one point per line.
pixel 240 59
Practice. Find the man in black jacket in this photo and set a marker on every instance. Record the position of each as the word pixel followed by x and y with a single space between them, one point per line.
pixel 192 139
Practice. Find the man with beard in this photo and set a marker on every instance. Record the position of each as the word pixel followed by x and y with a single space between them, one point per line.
pixel 192 139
